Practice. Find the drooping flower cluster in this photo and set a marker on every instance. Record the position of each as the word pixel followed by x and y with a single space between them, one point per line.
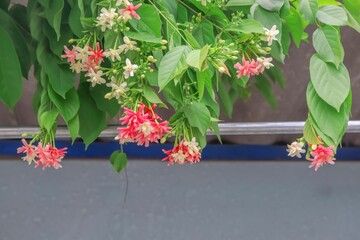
pixel 321 155
pixel 108 18
pixel 251 68
pixel 84 59
pixel 143 126
pixel 184 152
pixel 45 156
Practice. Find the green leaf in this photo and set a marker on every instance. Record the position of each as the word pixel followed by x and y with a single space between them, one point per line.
pixel 237 3
pixel 268 19
pixel 92 120
pixel 60 76
pixel 118 161
pixel 271 5
pixel 74 127
pixel 48 118
pixel 332 15
pixel 204 33
pixel 196 58
pixel 331 85
pixel 308 9
pixel 198 116
pixel 76 13
pixel 69 106
pixel 265 88
pixel 53 12
pixel 151 96
pixel 4 4
pixel 248 26
pixel 310 134
pixel 191 40
pixel 10 72
pixel 203 79
pixel 225 99
pixel 329 121
pixel 353 6
pixel 173 64
pixel 324 138
pixel 148 28
pixel 19 42
pixel 327 44
pixel 111 106
pixel 294 22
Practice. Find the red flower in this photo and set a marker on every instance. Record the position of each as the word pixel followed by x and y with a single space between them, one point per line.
pixel 70 55
pixel 130 10
pixel 185 151
pixel 321 155
pixel 96 56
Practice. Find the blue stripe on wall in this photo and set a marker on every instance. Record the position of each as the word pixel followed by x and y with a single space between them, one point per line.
pixel 154 151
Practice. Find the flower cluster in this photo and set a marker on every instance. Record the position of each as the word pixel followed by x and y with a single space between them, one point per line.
pixel 142 126
pixel 185 151
pixel 111 17
pixel 45 156
pixel 320 155
pixel 253 67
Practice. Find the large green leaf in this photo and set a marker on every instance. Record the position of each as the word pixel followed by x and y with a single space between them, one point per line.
pixel 74 127
pixel 331 84
pixel 271 5
pixel 238 3
pixel 69 106
pixel 204 33
pixel 294 22
pixel 111 106
pixel 60 76
pixel 198 116
pixel 172 65
pixel 47 119
pixel 332 15
pixel 310 133
pixel 308 9
pixel 21 45
pixel 92 120
pixel 248 26
pixel 353 6
pixel 10 72
pixel 76 13
pixel 53 12
pixel 148 28
pixel 329 121
pixel 326 41
pixel 4 4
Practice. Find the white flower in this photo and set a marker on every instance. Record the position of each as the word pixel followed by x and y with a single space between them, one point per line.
pixel 95 77
pixel 113 54
pixel 127 46
pixel 129 69
pixel 146 128
pixel 106 18
pixel 271 34
pixel 179 157
pixel 117 90
pixel 119 2
pixel 77 66
pixel 264 63
pixel 295 149
pixel 193 146
pixel 83 53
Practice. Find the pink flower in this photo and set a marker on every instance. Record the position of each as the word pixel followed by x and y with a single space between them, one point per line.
pixel 49 156
pixel 70 54
pixel 143 126
pixel 321 155
pixel 185 151
pixel 30 151
pixel 247 68
pixel 130 11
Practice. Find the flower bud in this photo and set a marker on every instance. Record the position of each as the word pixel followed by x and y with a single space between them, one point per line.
pixel 108 95
pixel 163 47
pixel 72 40
pixel 221 69
pixel 164 42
